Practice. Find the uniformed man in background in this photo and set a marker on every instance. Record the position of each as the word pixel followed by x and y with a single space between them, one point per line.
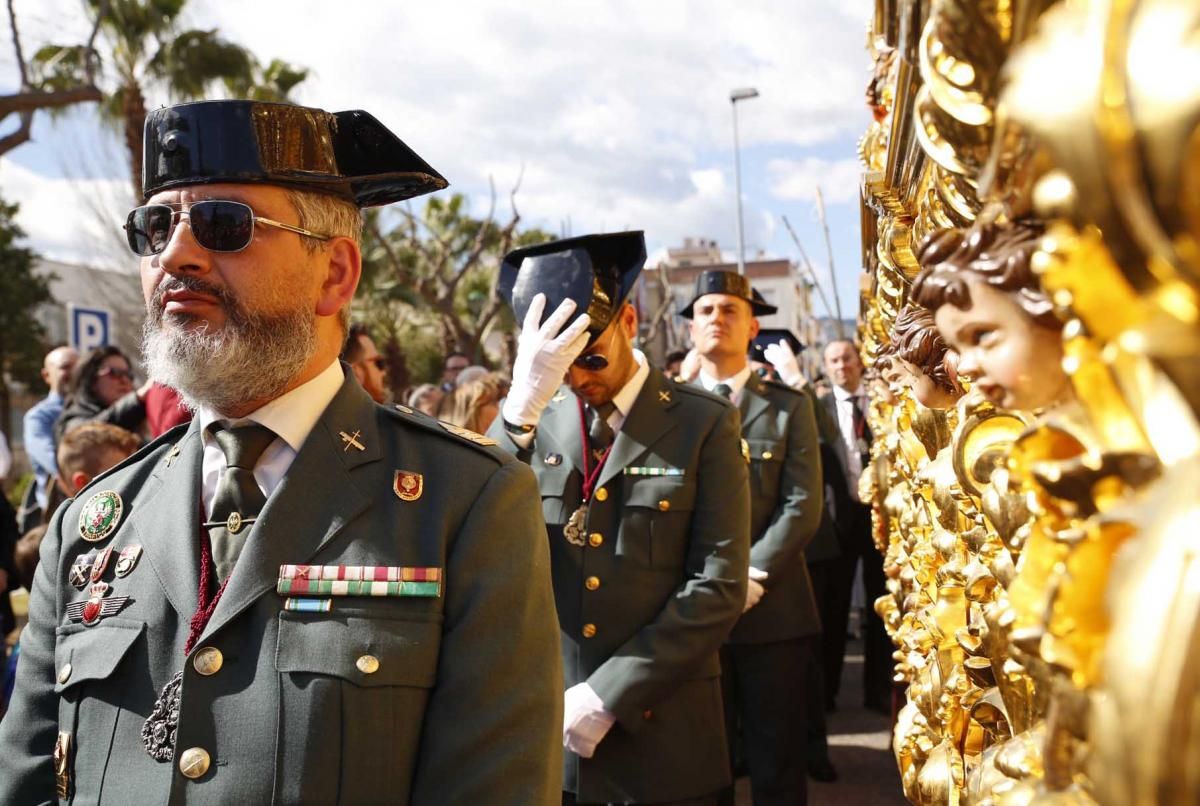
pixel 645 494
pixel 768 656
pixel 302 597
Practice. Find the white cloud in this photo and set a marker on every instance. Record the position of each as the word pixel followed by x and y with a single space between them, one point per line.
pixel 799 179
pixel 70 220
pixel 613 113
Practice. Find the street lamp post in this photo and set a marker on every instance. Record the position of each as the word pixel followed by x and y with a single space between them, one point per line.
pixel 741 94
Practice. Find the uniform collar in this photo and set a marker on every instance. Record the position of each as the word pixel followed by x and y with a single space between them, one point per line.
pixel 735 382
pixel 628 395
pixel 292 415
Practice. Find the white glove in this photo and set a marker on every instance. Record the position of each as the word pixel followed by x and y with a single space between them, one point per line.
pixel 754 588
pixel 543 357
pixel 784 360
pixel 585 722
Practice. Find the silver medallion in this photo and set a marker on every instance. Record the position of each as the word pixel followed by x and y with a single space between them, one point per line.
pixel 158 731
pixel 573 531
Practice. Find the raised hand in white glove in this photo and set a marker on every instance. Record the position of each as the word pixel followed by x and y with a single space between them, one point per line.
pixel 784 360
pixel 585 722
pixel 543 357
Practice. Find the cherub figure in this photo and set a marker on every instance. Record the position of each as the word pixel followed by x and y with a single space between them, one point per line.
pixel 919 360
pixel 991 310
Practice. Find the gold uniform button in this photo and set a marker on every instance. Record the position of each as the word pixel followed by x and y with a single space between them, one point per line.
pixel 664 505
pixel 595 540
pixel 589 630
pixel 767 454
pixel 602 494
pixel 194 762
pixel 367 664
pixel 591 583
pixel 64 674
pixel 208 661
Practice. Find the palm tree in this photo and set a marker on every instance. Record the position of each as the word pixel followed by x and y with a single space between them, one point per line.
pixel 144 48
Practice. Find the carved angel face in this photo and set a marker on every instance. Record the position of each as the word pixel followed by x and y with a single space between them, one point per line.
pixel 901 374
pixel 1014 362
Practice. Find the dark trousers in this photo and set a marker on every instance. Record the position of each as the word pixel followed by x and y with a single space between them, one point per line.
pixel 833 583
pixel 765 688
pixel 568 799
pixel 816 734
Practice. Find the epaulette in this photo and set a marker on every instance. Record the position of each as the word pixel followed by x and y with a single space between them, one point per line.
pixel 783 386
pixel 699 392
pixel 455 433
pixel 166 437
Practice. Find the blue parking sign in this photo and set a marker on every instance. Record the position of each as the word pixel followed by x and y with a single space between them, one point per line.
pixel 89 327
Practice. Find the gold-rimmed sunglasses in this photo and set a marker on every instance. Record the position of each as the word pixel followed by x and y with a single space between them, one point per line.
pixel 218 225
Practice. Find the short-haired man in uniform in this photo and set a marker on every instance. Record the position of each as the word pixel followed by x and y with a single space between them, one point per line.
pixel 767 659
pixel 302 597
pixel 366 362
pixel 645 495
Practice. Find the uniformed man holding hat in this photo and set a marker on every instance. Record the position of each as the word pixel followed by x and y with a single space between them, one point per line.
pixel 645 495
pixel 301 597
pixel 768 656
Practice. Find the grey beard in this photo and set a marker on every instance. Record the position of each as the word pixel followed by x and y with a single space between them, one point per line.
pixel 254 357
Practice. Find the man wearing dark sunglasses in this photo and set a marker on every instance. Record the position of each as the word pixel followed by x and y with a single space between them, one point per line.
pixel 766 661
pixel 302 596
pixel 645 495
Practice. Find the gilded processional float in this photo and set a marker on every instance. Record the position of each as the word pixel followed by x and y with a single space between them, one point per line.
pixel 1030 316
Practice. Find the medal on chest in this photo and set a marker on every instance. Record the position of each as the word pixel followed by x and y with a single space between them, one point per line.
pixel 574 530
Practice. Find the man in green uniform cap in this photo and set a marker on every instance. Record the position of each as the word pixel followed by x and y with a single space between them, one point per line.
pixel 767 659
pixel 301 597
pixel 644 491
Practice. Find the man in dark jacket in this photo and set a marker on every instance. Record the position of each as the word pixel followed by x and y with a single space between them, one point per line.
pixel 644 491
pixel 766 662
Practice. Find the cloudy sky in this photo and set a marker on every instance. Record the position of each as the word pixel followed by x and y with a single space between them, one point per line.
pixel 614 114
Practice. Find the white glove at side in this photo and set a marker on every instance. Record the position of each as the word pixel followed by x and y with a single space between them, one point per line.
pixel 585 722
pixel 543 357
pixel 784 360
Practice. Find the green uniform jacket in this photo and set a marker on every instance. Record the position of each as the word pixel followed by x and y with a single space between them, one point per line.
pixel 462 703
pixel 785 509
pixel 661 581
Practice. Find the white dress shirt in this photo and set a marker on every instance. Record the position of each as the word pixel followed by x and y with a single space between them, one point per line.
pixel 845 411
pixel 736 383
pixel 623 400
pixel 291 416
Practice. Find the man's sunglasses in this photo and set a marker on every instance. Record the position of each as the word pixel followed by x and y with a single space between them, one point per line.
pixel 217 225
pixel 592 362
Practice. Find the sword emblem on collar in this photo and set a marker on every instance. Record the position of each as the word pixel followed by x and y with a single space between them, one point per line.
pixel 351 440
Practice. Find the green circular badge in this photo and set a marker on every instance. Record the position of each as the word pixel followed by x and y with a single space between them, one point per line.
pixel 100 516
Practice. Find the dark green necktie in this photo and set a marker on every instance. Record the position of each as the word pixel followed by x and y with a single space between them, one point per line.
pixel 724 390
pixel 238 499
pixel 600 433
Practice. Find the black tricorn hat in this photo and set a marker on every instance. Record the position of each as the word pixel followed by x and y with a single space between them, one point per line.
pixel 597 271
pixel 720 281
pixel 767 337
pixel 347 154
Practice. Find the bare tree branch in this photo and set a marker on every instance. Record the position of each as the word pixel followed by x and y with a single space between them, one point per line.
pixel 16 37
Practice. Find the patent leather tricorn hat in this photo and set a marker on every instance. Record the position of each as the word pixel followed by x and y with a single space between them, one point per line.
pixel 767 337
pixel 347 154
pixel 720 281
pixel 597 271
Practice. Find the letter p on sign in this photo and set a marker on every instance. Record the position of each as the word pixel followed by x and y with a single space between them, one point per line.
pixel 89 327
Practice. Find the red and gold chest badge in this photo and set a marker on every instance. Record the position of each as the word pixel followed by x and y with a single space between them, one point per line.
pixel 408 485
